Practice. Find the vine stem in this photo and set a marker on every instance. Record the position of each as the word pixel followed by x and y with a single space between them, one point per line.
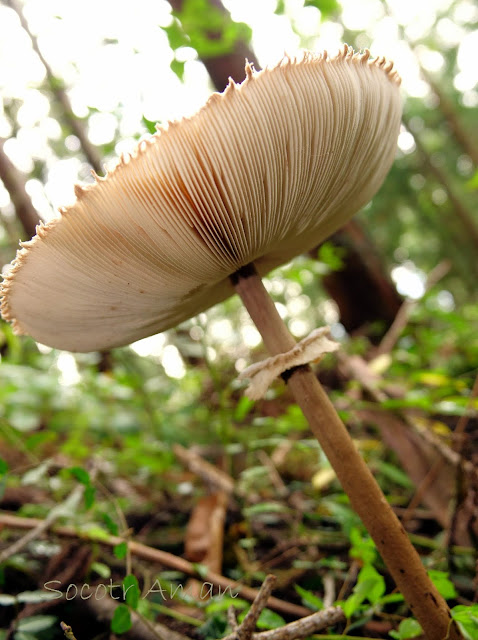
pixel 366 497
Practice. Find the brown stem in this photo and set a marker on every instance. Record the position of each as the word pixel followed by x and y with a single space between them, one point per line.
pixel 357 481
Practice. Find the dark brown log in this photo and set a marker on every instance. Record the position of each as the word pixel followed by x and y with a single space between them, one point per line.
pixel 362 290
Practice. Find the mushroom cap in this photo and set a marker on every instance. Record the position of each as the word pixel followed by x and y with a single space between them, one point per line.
pixel 264 171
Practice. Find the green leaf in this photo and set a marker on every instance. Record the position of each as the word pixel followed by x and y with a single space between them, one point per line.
pixel 280 8
pixel 34 597
pixel 24 420
pixel 149 124
pixel 265 507
pixel 473 181
pixel 103 570
pixel 375 583
pixel 3 467
pixel 443 583
pixel 331 256
pixel 394 474
pixel 110 523
pixel 121 622
pixel 409 628
pixel 243 407
pixel 21 635
pixel 131 591
pixel 223 603
pixel 352 604
pixel 370 586
pixel 178 68
pixel 81 475
pixel 467 619
pixel 363 547
pixel 34 624
pixel 94 532
pixel 120 550
pixel 3 485
pixel 326 7
pixel 176 36
pixel 309 599
pixel 90 493
pixel 205 28
pixel 270 620
pixel 201 569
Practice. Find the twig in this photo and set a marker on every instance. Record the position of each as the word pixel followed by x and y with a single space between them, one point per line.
pixel 357 368
pixel 231 618
pixel 157 556
pixel 460 485
pixel 204 469
pixel 143 629
pixel 56 86
pixel 329 590
pixel 125 531
pixel 305 626
pixel 426 483
pixel 42 525
pixel 446 106
pixel 437 467
pixel 458 434
pixel 292 631
pixel 273 473
pixel 401 319
pixel 301 628
pixel 459 208
pixel 14 182
pixel 246 628
pixel 68 631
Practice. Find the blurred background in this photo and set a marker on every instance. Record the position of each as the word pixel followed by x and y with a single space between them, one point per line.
pixel 81 84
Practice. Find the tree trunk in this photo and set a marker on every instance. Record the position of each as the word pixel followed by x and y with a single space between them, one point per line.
pixel 14 183
pixel 362 290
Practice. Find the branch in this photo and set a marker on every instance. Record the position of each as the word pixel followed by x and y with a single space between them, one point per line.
pixel 462 212
pixel 219 479
pixel 157 556
pixel 68 631
pixel 57 88
pixel 41 526
pixel 14 183
pixel 293 631
pixel 401 319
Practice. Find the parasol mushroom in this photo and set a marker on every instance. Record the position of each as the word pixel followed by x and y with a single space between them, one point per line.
pixel 261 173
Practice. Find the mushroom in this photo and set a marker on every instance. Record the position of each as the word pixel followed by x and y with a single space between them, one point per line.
pixel 261 173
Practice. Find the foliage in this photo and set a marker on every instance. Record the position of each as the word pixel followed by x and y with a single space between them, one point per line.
pixel 69 425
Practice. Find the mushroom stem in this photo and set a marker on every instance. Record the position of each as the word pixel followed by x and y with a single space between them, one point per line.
pixel 365 495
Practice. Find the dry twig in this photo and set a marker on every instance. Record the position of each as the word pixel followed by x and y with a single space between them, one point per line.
pixel 204 469
pixel 292 631
pixel 68 631
pixel 161 557
pixel 43 525
pixel 245 630
pixel 57 88
pixel 401 319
